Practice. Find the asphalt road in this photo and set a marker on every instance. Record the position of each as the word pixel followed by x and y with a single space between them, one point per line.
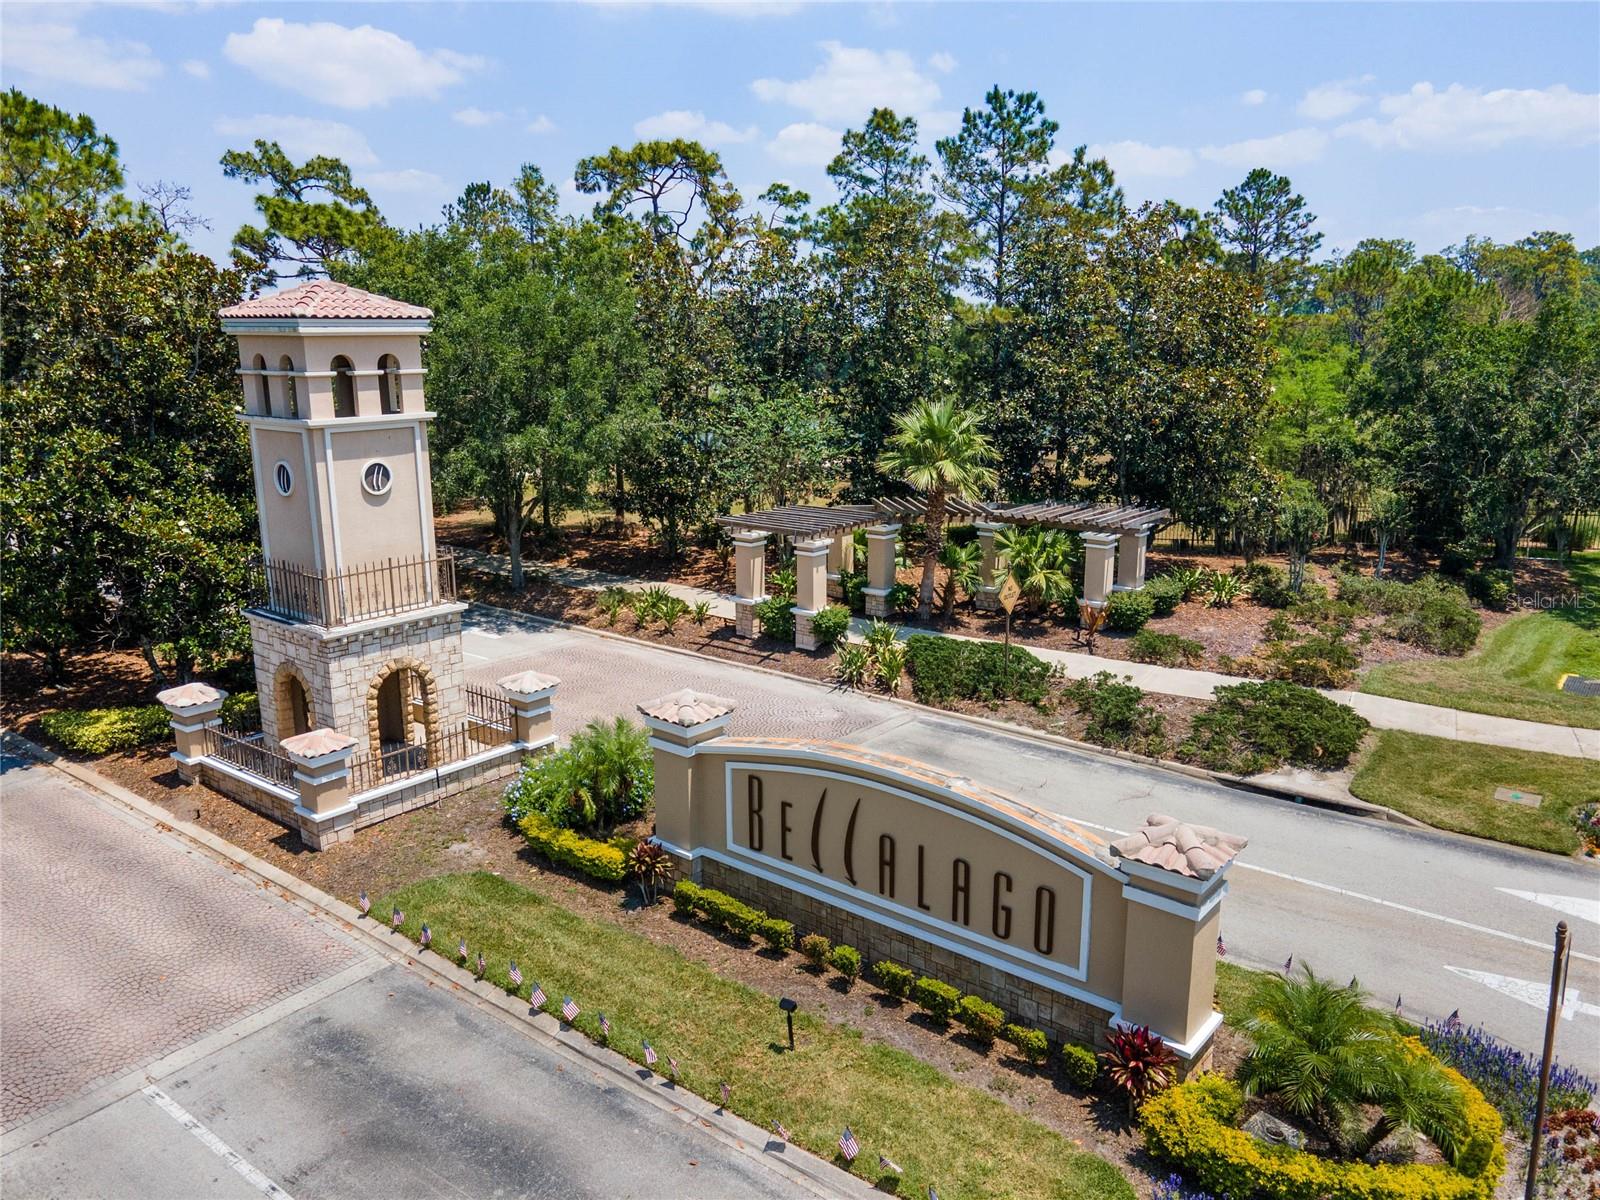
pixel 1435 921
pixel 170 1030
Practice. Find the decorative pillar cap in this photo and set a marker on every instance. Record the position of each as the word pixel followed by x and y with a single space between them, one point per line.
pixel 318 748
pixel 526 685
pixel 686 708
pixel 1097 537
pixel 1195 851
pixel 191 699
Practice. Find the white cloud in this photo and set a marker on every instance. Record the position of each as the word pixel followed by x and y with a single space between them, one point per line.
pixel 1337 98
pixel 805 143
pixel 852 82
pixel 743 9
pixel 475 117
pixel 1441 227
pixel 196 67
pixel 302 137
pixel 681 123
pixel 364 67
pixel 937 124
pixel 541 124
pixel 1139 158
pixel 410 180
pixel 1279 150
pixel 60 51
pixel 1253 97
pixel 1469 118
pixel 942 62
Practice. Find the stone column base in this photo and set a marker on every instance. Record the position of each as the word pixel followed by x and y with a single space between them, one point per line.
pixel 744 618
pixel 804 638
pixel 987 599
pixel 320 831
pixel 835 588
pixel 876 601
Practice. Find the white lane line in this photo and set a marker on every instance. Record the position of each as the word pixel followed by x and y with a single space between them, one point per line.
pixel 479 657
pixel 1529 992
pixel 1378 900
pixel 1586 907
pixel 215 1144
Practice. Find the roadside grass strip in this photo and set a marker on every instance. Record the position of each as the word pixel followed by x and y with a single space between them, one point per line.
pixel 1451 785
pixel 960 1140
pixel 1517 670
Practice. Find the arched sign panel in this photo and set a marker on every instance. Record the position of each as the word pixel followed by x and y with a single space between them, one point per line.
pixel 928 860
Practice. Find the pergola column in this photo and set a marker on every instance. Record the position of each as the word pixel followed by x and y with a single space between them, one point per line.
pixel 881 542
pixel 1130 560
pixel 749 579
pixel 841 558
pixel 1099 551
pixel 992 569
pixel 810 587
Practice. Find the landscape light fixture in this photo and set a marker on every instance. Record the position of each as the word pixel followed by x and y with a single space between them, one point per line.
pixel 788 1007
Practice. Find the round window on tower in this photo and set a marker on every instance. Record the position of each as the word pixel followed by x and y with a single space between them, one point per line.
pixel 376 479
pixel 283 478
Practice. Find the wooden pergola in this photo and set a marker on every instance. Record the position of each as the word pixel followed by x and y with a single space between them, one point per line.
pixel 1114 540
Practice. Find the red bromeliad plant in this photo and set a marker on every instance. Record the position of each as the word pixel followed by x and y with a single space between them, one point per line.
pixel 1138 1064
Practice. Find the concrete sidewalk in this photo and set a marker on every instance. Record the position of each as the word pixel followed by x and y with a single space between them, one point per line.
pixel 1383 712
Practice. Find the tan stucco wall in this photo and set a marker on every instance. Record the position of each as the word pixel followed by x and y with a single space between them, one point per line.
pixel 315 354
pixel 374 528
pixel 288 522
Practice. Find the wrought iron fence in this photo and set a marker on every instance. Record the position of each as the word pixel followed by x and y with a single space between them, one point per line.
pixel 369 770
pixel 376 589
pixel 1574 531
pixel 252 752
pixel 487 707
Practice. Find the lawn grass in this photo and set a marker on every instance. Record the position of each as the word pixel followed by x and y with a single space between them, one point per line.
pixel 961 1140
pixel 1234 985
pixel 1516 670
pixel 1450 785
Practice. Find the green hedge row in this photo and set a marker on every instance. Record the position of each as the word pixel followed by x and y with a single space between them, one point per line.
pixel 945 669
pixel 126 726
pixel 606 861
pixel 731 915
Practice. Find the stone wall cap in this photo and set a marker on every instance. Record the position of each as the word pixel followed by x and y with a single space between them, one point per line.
pixel 527 682
pixel 191 695
pixel 687 708
pixel 318 743
pixel 1193 850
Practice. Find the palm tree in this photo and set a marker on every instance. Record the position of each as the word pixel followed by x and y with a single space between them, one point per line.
pixel 1040 560
pixel 938 449
pixel 960 561
pixel 1322 1051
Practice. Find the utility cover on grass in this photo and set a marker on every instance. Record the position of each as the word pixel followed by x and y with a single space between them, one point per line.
pixel 1517 796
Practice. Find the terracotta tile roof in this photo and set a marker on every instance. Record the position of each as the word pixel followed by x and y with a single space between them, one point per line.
pixel 1193 850
pixel 526 683
pixel 191 695
pixel 323 299
pixel 317 743
pixel 687 708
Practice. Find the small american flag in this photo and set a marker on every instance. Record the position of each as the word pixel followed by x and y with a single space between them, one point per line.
pixel 569 1010
pixel 366 905
pixel 427 937
pixel 461 948
pixel 848 1146
pixel 1222 949
pixel 537 1000
pixel 514 973
pixel 777 1128
pixel 932 1195
pixel 649 1055
pixel 1288 964
pixel 396 918
pixel 1397 1006
pixel 1453 1021
pixel 889 1165
pixel 727 1093
pixel 605 1026
pixel 672 1065
pixel 482 963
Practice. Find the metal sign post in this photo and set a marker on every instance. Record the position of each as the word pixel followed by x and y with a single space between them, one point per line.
pixel 1010 593
pixel 1558 992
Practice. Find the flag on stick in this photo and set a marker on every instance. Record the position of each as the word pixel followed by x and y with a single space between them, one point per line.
pixel 427 936
pixel 605 1027
pixel 649 1054
pixel 537 1000
pixel 783 1134
pixel 569 1010
pixel 461 948
pixel 848 1146
pixel 1397 1006
pixel 672 1066
pixel 515 975
pixel 366 905
pixel 482 963
pixel 1288 964
pixel 396 918
pixel 1453 1021
pixel 726 1093
pixel 1222 949
pixel 889 1164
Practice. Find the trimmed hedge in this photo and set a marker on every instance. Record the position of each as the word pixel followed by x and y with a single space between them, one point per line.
pixel 126 726
pixel 1253 727
pixel 817 949
pixel 847 961
pixel 982 1019
pixel 1080 1064
pixel 936 998
pixel 893 978
pixel 945 669
pixel 831 626
pixel 1032 1044
pixel 778 934
pixel 731 915
pixel 607 861
pixel 1128 612
pixel 776 614
pixel 1192 1127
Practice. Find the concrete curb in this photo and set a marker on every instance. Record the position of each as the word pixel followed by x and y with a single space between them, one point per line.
pixel 797 1164
pixel 1351 807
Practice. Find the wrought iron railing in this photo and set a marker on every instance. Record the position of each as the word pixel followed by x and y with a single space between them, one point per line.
pixel 369 770
pixel 252 752
pixel 375 589
pixel 488 708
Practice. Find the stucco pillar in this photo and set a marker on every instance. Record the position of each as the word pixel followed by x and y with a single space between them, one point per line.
pixel 194 708
pixel 881 544
pixel 1130 561
pixel 810 588
pixel 532 697
pixel 1099 551
pixel 1174 891
pixel 325 813
pixel 992 569
pixel 749 579
pixel 679 723
pixel 841 558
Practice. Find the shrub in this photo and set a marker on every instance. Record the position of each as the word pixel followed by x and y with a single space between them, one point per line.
pixel 851 583
pixel 776 933
pixel 817 949
pixel 1127 612
pixel 685 896
pixel 1269 586
pixel 606 861
pixel 1316 660
pixel 1167 649
pixel 1491 587
pixel 902 597
pixel 1117 713
pixel 1507 1077
pixel 891 664
pixel 982 1019
pixel 894 978
pixel 1253 727
pixel 700 612
pixel 880 636
pixel 1080 1065
pixel 1189 581
pixel 1222 590
pixel 831 626
pixel 1442 623
pixel 604 777
pixel 651 866
pixel 1166 593
pixel 945 669
pixel 102 730
pixel 852 665
pixel 1138 1064
pixel 1032 1044
pixel 728 914
pixel 939 1000
pixel 672 610
pixel 847 961
pixel 777 617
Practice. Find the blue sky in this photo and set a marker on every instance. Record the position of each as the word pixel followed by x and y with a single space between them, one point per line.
pixel 1426 121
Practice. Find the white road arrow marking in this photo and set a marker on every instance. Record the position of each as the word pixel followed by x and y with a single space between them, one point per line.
pixel 1534 995
pixel 1585 907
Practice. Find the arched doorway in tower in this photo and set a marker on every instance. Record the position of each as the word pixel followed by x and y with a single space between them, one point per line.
pixel 293 702
pixel 401 716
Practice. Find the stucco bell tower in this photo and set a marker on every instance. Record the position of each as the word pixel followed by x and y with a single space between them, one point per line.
pixel 357 629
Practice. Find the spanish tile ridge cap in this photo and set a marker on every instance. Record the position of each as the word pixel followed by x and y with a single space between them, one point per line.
pixel 527 681
pixel 687 707
pixel 317 742
pixel 1196 851
pixel 190 695
pixel 325 299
